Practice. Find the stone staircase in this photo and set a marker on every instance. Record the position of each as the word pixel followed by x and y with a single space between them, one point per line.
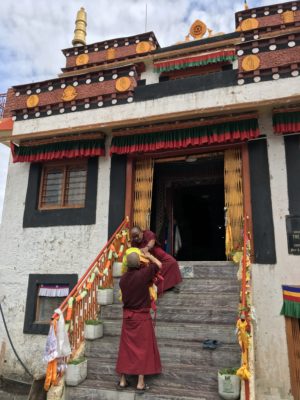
pixel 205 308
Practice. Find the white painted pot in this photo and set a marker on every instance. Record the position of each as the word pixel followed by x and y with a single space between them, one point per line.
pixel 92 332
pixel 117 269
pixel 105 296
pixel 229 386
pixel 76 373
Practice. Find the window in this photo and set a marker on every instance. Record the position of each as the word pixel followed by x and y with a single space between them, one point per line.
pixel 45 293
pixel 63 185
pixel 49 298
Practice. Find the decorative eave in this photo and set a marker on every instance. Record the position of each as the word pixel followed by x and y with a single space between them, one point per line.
pixel 110 43
pixel 266 11
pixel 108 52
pixel 286 120
pixel 78 93
pixel 59 147
pixel 186 135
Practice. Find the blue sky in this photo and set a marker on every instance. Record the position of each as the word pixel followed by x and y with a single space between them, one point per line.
pixel 34 32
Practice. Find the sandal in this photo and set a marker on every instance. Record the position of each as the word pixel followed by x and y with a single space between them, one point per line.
pixel 142 390
pixel 122 387
pixel 210 344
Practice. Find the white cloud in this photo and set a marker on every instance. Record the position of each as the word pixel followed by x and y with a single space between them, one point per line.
pixel 34 32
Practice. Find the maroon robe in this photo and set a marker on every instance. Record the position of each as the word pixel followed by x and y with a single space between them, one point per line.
pixel 138 351
pixel 170 268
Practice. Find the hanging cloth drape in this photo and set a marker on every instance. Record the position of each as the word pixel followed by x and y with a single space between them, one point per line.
pixel 58 151
pixel 195 61
pixel 226 132
pixel 291 301
pixel 286 122
pixel 233 189
pixel 143 193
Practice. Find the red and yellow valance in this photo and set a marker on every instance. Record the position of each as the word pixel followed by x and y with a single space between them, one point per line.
pixel 286 122
pixel 291 301
pixel 195 61
pixel 58 151
pixel 226 132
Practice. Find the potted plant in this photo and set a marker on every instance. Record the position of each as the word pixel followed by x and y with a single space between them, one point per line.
pixel 93 329
pixel 229 384
pixel 105 295
pixel 76 371
pixel 117 269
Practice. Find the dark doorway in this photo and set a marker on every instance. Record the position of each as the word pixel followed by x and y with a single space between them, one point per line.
pixel 188 208
pixel 199 214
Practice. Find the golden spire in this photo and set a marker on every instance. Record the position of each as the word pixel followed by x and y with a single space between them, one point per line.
pixel 80 28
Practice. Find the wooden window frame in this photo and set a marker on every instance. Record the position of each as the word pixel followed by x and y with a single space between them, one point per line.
pixel 65 166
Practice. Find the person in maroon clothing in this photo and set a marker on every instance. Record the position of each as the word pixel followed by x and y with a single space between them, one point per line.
pixel 146 241
pixel 138 351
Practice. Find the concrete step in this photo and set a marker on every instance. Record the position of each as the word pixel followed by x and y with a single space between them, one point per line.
pixel 197 285
pixel 173 376
pixel 202 299
pixel 182 331
pixel 198 313
pixel 208 269
pixel 171 352
pixel 105 389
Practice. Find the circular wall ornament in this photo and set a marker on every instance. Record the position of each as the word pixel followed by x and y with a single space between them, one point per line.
pixel 111 54
pixel 82 59
pixel 198 29
pixel 69 93
pixel 32 101
pixel 143 47
pixel 123 84
pixel 250 63
pixel 288 17
pixel 249 23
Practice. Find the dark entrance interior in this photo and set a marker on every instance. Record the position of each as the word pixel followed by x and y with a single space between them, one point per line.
pixel 188 207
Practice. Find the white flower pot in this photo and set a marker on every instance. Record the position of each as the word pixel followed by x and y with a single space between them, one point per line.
pixel 229 386
pixel 117 269
pixel 92 332
pixel 76 373
pixel 105 296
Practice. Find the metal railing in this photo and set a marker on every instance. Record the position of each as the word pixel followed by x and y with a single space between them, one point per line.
pixel 2 104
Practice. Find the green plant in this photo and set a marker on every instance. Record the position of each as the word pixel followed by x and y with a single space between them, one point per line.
pixel 228 371
pixel 93 322
pixel 104 288
pixel 77 361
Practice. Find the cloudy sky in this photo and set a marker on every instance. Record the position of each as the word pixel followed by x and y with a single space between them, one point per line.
pixel 33 32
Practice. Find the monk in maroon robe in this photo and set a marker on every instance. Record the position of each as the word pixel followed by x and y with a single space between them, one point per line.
pixel 138 351
pixel 146 241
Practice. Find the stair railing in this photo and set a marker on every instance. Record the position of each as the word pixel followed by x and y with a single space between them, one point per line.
pixel 2 104
pixel 244 325
pixel 81 303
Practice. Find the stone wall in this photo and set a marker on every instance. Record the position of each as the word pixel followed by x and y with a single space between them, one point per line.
pixel 53 250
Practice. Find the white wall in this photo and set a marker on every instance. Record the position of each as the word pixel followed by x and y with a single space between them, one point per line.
pixel 272 370
pixel 67 249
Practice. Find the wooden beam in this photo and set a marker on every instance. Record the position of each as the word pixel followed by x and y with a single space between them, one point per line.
pixel 66 138
pixel 129 188
pixel 247 194
pixel 184 124
pixel 237 107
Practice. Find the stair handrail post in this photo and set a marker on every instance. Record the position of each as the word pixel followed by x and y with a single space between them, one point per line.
pixel 81 303
pixel 244 324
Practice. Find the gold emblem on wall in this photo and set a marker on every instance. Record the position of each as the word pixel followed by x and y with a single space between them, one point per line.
pixel 32 101
pixel 69 93
pixel 143 47
pixel 250 63
pixel 198 29
pixel 111 54
pixel 123 84
pixel 249 23
pixel 82 59
pixel 288 16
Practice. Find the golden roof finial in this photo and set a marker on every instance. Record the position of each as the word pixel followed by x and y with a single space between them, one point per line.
pixel 80 28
